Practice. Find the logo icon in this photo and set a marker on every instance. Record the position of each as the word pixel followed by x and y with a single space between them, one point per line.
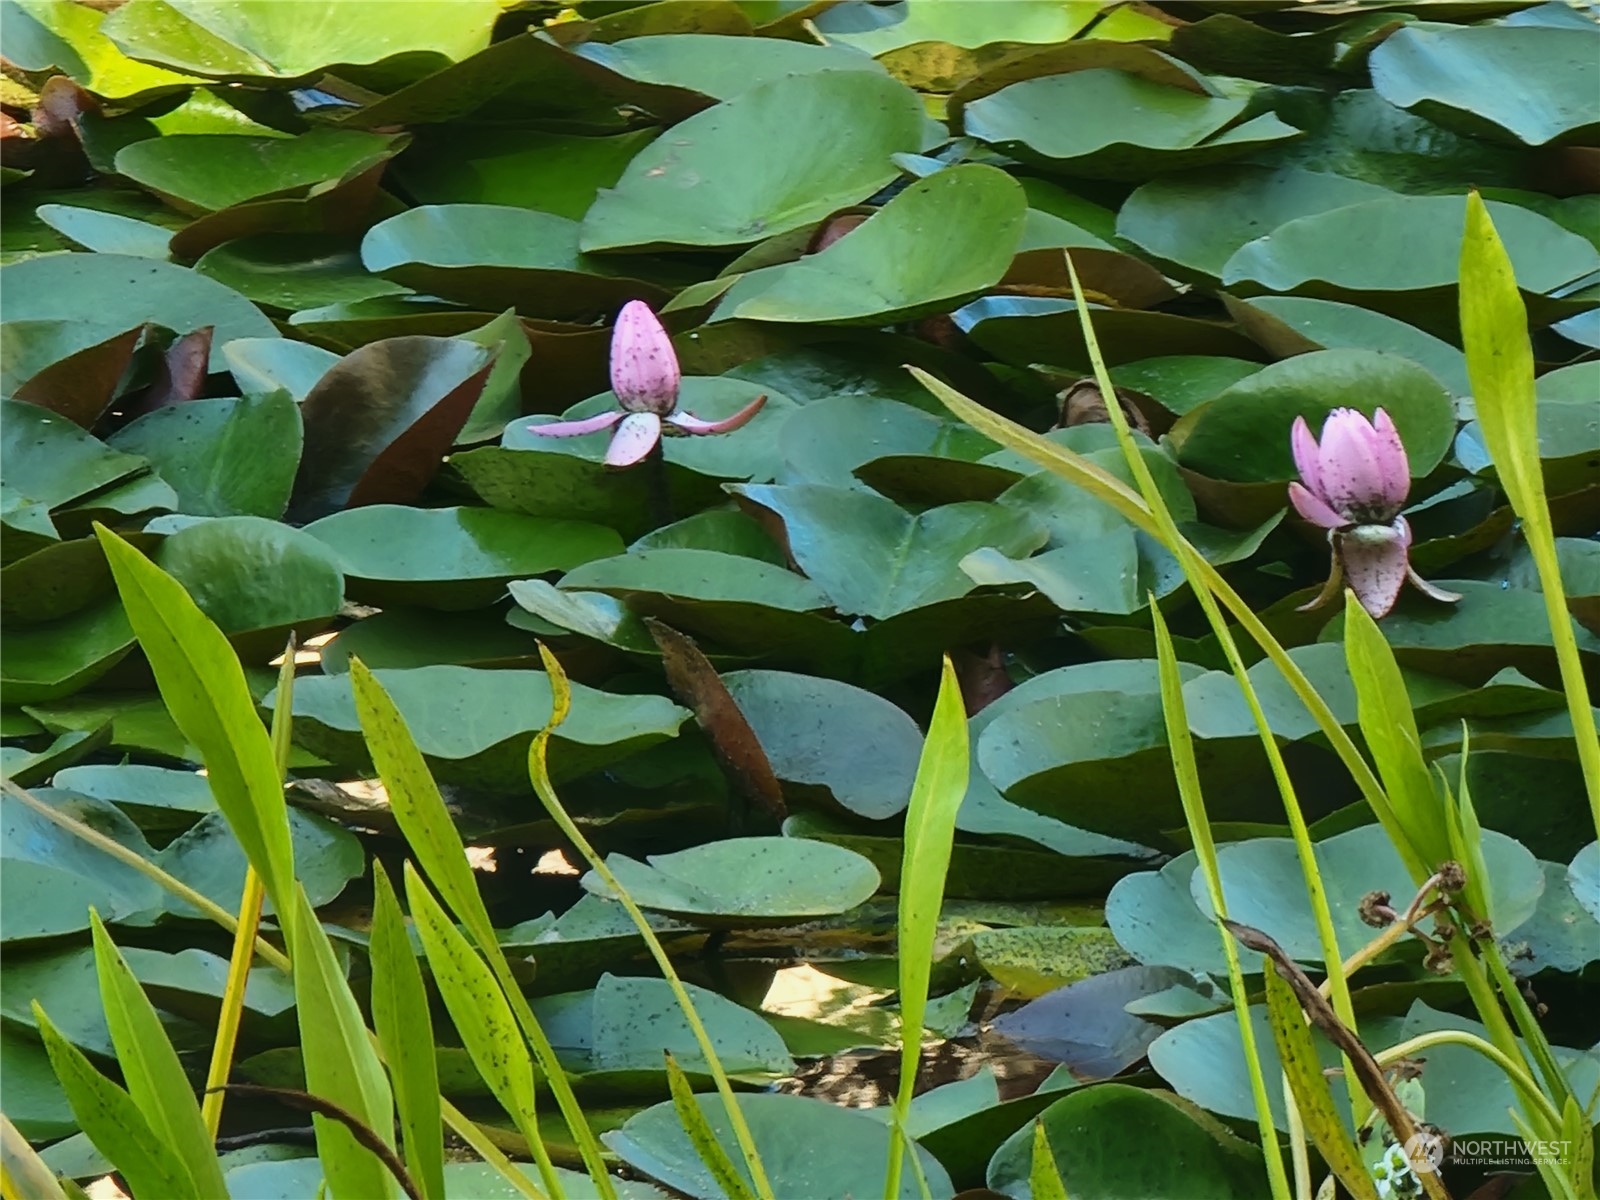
pixel 1425 1151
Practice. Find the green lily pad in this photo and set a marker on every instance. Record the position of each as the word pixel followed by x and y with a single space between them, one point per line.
pixel 1101 1137
pixel 42 34
pixel 451 558
pixel 726 530
pixel 51 661
pixel 384 43
pixel 593 615
pixel 856 749
pixel 161 801
pixel 494 256
pixel 1262 884
pixel 58 581
pixel 257 579
pixel 35 1103
pixel 291 1178
pixel 1180 382
pixel 1562 934
pixel 632 1021
pixel 224 458
pixel 200 173
pixel 1033 960
pixel 1130 126
pixel 745 880
pixel 108 232
pixel 476 726
pixel 27 768
pixel 555 173
pixel 788 1132
pixel 52 877
pixel 875 559
pixel 1520 84
pixel 1194 222
pixel 1399 254
pixel 287 272
pixel 420 637
pixel 209 859
pixel 1243 434
pixel 877 274
pixel 777 157
pixel 130 291
pixel 261 366
pixel 717 65
pixel 1024 330
pixel 1583 877
pixel 51 461
pixel 1290 325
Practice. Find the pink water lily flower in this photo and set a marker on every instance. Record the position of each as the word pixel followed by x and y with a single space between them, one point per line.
pixel 645 378
pixel 1354 485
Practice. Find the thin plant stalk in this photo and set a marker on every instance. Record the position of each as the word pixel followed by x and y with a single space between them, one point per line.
pixel 1187 558
pixel 1180 742
pixel 249 920
pixel 1299 1151
pixel 210 908
pixel 561 703
pixel 464 1128
pixel 1462 1037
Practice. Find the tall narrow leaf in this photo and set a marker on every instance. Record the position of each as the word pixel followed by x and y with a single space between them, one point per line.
pixel 702 1137
pixel 150 1165
pixel 1313 1097
pixel 150 1066
pixel 1180 743
pixel 1494 333
pixel 1384 711
pixel 405 1031
pixel 1044 1178
pixel 341 1064
pixel 479 1009
pixel 203 687
pixel 936 793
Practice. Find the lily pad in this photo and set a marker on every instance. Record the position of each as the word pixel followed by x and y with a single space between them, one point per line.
pixel 51 461
pixel 42 34
pixel 857 749
pixel 875 559
pixel 1523 84
pixel 160 800
pixel 209 859
pixel 878 273
pixel 287 272
pixel 1129 126
pixel 130 291
pixel 1198 1159
pixel 475 726
pixel 717 65
pixel 1194 222
pixel 69 367
pixel 52 877
pixel 200 173
pixel 1583 876
pixel 1024 330
pixel 777 157
pixel 224 458
pixel 391 43
pixel 451 558
pixel 1243 434
pixel 493 256
pixel 261 366
pixel 1399 254
pixel 55 659
pixel 743 880
pixel 257 579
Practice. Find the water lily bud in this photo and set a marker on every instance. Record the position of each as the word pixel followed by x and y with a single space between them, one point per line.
pixel 1358 475
pixel 644 366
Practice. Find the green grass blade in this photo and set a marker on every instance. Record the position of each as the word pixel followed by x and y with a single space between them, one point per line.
pixel 941 782
pixel 701 1136
pixel 1313 1097
pixel 1494 333
pixel 1384 712
pixel 405 1031
pixel 23 1174
pixel 420 812
pixel 341 1063
pixel 203 687
pixel 150 1066
pixel 1044 1178
pixel 1180 743
pixel 481 1013
pixel 116 1125
pixel 561 697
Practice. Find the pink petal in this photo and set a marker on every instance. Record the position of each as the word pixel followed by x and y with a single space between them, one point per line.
pixel 744 416
pixel 1353 481
pixel 577 428
pixel 1305 455
pixel 1309 506
pixel 1391 453
pixel 635 438
pixel 1375 560
pixel 644 366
